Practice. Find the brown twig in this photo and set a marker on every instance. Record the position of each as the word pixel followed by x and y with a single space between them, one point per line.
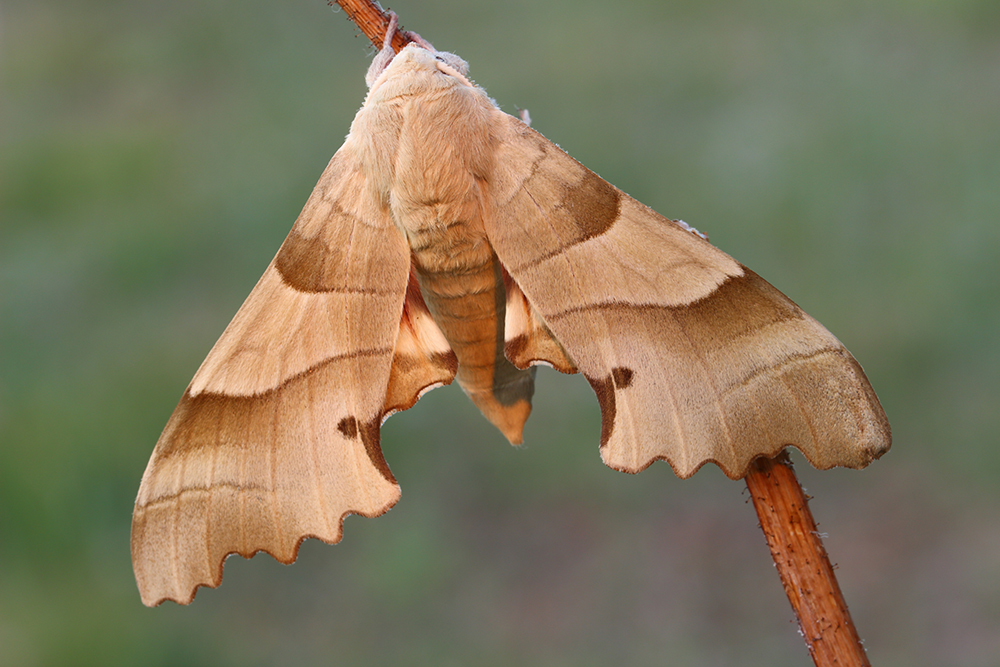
pixel 372 21
pixel 802 562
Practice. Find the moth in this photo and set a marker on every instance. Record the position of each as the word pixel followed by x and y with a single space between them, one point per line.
pixel 448 240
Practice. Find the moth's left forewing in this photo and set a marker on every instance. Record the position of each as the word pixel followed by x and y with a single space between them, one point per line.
pixel 693 357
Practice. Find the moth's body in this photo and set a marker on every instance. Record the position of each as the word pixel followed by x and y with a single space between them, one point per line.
pixel 436 125
pixel 448 240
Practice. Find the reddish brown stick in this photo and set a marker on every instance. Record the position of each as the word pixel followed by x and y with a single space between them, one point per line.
pixel 372 21
pixel 803 564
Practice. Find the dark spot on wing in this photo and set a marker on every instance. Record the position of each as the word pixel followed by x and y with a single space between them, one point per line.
pixel 221 421
pixel 605 390
pixel 370 436
pixel 349 427
pixel 447 360
pixel 622 377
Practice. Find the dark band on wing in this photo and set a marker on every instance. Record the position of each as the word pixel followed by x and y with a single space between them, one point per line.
pixel 593 204
pixel 214 420
pixel 739 307
pixel 320 264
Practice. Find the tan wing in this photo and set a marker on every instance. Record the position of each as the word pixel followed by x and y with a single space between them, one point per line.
pixel 527 337
pixel 423 359
pixel 277 437
pixel 693 357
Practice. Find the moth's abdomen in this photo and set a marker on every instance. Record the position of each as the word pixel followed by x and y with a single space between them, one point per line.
pixel 462 283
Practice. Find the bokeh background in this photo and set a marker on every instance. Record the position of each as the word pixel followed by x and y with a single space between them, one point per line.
pixel 154 154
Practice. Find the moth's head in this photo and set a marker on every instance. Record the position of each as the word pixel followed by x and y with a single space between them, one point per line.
pixel 416 67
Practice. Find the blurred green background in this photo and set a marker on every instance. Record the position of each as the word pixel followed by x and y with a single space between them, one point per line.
pixel 154 154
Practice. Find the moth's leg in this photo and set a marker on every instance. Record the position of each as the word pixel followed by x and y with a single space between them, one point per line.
pixel 417 39
pixel 385 56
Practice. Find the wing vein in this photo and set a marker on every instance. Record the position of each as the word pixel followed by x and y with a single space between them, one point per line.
pixel 273 468
pixel 174 531
pixel 208 508
pixel 711 379
pixel 314 459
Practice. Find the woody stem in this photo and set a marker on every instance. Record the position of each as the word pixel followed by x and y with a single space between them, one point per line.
pixel 803 565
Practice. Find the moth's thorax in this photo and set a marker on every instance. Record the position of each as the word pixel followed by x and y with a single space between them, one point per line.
pixel 426 137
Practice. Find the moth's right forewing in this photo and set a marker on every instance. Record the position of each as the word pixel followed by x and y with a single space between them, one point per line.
pixel 277 437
